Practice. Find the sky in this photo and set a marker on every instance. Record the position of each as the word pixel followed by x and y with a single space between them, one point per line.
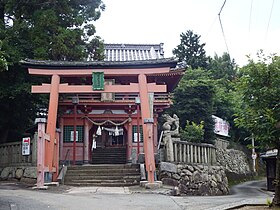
pixel 249 25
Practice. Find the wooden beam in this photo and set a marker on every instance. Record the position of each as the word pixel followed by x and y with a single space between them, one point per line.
pixel 132 88
pixel 88 72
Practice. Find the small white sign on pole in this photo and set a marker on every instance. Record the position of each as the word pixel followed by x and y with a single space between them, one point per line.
pixel 254 156
pixel 26 146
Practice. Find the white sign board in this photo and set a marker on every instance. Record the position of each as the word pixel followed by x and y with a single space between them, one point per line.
pixel 254 156
pixel 221 126
pixel 26 146
pixel 72 135
pixel 135 139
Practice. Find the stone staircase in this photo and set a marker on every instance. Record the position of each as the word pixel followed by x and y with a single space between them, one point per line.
pixel 109 155
pixel 109 175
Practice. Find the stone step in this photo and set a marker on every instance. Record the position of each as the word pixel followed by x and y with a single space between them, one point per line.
pixel 103 181
pixel 108 161
pixel 108 150
pixel 121 150
pixel 131 180
pixel 113 170
pixel 104 166
pixel 102 184
pixel 100 173
pixel 109 155
pixel 103 175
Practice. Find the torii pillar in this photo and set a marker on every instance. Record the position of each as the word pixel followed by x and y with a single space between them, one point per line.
pixel 51 124
pixel 147 124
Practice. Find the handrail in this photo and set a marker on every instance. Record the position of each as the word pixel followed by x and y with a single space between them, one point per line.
pixel 194 144
pixel 160 139
pixel 118 97
pixel 65 159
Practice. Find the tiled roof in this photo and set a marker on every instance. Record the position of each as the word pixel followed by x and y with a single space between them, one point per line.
pixel 164 62
pixel 132 52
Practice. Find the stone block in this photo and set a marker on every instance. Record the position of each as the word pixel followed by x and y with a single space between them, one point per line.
pixel 19 173
pixel 176 176
pixel 169 167
pixel 204 178
pixel 141 158
pixel 204 190
pixel 5 174
pixel 187 172
pixel 30 172
pixel 175 191
pixel 190 168
pixel 170 182
pixel 218 178
pixel 134 155
pixel 153 186
pixel 28 180
pixel 196 177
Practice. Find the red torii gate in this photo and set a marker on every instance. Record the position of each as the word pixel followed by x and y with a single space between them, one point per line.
pixel 142 87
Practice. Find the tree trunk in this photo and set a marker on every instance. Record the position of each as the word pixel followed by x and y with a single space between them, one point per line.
pixel 276 199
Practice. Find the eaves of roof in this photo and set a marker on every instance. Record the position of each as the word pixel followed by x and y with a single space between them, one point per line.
pixel 151 63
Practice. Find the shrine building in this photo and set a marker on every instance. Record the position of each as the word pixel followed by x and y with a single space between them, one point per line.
pixel 108 107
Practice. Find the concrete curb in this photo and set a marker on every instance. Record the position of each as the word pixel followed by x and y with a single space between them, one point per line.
pixel 244 205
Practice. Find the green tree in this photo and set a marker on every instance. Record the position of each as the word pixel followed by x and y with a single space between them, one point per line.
pixel 39 29
pixel 190 51
pixel 223 67
pixel 259 111
pixel 223 71
pixel 193 101
pixel 193 132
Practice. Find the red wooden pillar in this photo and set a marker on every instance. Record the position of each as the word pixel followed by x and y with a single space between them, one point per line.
pixel 51 125
pixel 56 156
pixel 155 134
pixel 41 153
pixel 61 139
pixel 147 128
pixel 75 135
pixel 86 141
pixel 129 142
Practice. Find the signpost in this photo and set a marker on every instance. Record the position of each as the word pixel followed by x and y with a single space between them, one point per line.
pixel 26 146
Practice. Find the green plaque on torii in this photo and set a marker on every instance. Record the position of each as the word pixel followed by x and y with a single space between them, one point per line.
pixel 97 80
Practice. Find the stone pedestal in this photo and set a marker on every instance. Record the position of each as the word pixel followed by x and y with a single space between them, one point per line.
pixel 153 186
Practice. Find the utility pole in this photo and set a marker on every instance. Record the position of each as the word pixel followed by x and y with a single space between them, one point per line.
pixel 254 154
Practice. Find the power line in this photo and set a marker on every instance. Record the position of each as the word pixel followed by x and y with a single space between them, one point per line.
pixel 250 17
pixel 210 28
pixel 219 14
pixel 269 19
pixel 250 23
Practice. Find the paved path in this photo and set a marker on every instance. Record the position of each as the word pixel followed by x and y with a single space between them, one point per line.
pixel 16 197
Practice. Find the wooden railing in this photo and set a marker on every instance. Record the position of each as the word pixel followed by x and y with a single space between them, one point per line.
pixel 96 97
pixel 11 155
pixel 187 152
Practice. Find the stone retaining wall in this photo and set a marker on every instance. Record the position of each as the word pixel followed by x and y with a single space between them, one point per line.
pixel 234 161
pixel 21 173
pixel 195 179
